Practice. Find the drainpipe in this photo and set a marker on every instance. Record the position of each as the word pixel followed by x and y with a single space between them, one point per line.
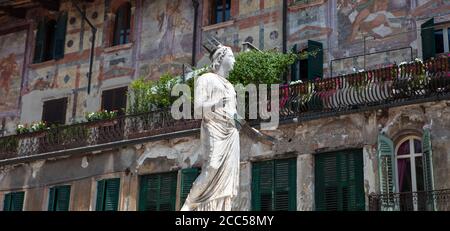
pixel 194 44
pixel 94 32
pixel 285 24
pixel 285 32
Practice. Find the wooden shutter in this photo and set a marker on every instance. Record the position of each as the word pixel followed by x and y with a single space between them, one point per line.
pixel 188 176
pixel 62 198
pixel 112 190
pixel 339 182
pixel 315 60
pixel 285 185
pixel 158 192
pixel 7 202
pixel 262 186
pixel 115 99
pixel 60 37
pixel 51 199
pixel 41 35
pixel 428 40
pixel 428 160
pixel 100 195
pixel 54 111
pixel 59 198
pixel 295 74
pixel 386 169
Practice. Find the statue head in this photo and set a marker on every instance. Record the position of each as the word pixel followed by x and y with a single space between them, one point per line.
pixel 222 61
pixel 222 58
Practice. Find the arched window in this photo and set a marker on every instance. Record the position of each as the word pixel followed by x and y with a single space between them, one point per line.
pixel 410 165
pixel 122 25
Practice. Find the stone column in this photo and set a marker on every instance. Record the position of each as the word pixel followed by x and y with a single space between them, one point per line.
pixel 305 183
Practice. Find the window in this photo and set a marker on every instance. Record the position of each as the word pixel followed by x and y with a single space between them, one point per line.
pixel 13 201
pixel 122 25
pixel 188 176
pixel 274 185
pixel 158 192
pixel 54 111
pixel 108 195
pixel 339 181
pixel 309 67
pixel 435 39
pixel 59 198
pixel 221 11
pixel 115 100
pixel 50 39
pixel 407 170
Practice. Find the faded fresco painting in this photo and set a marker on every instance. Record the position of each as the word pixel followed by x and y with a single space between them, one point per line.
pixel 12 49
pixel 167 30
pixel 376 18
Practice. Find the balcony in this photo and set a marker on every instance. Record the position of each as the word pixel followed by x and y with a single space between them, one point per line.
pixel 438 200
pixel 387 87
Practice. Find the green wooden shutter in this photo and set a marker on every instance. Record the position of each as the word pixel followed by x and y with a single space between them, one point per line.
pixel 386 169
pixel 158 192
pixel 315 60
pixel 60 37
pixel 428 40
pixel 41 35
pixel 51 199
pixel 100 195
pixel 339 182
pixel 188 176
pixel 428 168
pixel 7 202
pixel 295 74
pixel 285 185
pixel 62 198
pixel 112 191
pixel 262 182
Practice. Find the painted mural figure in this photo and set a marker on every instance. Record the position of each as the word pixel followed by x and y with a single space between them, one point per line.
pixel 215 96
pixel 8 70
pixel 168 21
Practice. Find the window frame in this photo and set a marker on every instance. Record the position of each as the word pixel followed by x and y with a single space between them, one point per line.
pixel 125 89
pixel 117 29
pixel 64 101
pixel 214 10
pixel 445 27
pixel 55 197
pixel 412 156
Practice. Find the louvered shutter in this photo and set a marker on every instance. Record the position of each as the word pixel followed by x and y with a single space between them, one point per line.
pixel 428 40
pixel 315 60
pixel 295 74
pixel 100 195
pixel 285 185
pixel 62 198
pixel 339 182
pixel 262 182
pixel 7 202
pixel 188 176
pixel 51 199
pixel 60 37
pixel 17 201
pixel 386 171
pixel 428 168
pixel 40 42
pixel 168 192
pixel 112 190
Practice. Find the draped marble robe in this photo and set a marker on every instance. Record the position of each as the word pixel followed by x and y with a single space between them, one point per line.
pixel 218 182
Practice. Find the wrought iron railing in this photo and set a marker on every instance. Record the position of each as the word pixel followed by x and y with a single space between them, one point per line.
pixel 438 200
pixel 385 87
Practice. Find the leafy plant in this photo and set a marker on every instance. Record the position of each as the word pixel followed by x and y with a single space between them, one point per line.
pixel 35 127
pixel 145 95
pixel 101 115
pixel 258 67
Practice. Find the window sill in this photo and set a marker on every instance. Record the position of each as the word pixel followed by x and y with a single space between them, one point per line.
pixel 118 48
pixel 219 25
pixel 43 64
pixel 298 6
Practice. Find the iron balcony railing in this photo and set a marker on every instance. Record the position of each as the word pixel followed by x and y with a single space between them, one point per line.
pixel 391 86
pixel 438 200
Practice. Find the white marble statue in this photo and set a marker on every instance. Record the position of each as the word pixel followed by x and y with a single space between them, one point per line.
pixel 218 182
